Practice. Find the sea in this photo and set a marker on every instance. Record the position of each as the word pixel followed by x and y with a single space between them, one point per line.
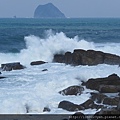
pixel 24 40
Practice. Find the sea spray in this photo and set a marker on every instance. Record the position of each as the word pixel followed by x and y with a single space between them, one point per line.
pixel 30 90
pixel 44 48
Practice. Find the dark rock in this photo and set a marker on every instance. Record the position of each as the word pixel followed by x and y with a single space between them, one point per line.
pixel 27 107
pixel 59 58
pixel 72 90
pixel 1 77
pixel 111 101
pixel 77 57
pixel 95 57
pixel 12 66
pixel 69 106
pixel 90 104
pixel 66 105
pixel 109 88
pixel 48 11
pixel 111 59
pixel 108 111
pixel 98 97
pixel 78 116
pixel 118 106
pixel 106 114
pixel 109 82
pixel 101 98
pixel 89 57
pixel 37 62
pixel 68 57
pixel 45 70
pixel 46 109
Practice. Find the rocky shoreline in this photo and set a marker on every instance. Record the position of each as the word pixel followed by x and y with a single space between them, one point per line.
pixel 99 100
pixel 106 97
pixel 89 57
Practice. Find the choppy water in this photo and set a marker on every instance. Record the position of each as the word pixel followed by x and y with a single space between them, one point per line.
pixel 27 40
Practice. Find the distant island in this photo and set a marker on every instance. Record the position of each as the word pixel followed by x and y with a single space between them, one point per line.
pixel 48 11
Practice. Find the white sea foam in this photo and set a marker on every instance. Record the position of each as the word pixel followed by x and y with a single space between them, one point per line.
pixel 44 49
pixel 30 90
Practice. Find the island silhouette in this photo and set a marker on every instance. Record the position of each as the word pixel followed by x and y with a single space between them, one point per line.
pixel 48 11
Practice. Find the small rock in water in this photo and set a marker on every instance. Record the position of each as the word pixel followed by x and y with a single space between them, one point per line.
pixel 12 66
pixel 45 70
pixel 46 109
pixel 37 62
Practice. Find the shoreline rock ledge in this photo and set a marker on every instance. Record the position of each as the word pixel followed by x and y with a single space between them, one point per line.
pixel 110 84
pixel 89 57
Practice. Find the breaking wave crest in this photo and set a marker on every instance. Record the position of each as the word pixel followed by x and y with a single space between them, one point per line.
pixel 43 49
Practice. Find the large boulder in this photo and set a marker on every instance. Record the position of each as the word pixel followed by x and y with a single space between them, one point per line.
pixel 69 106
pixel 89 57
pixel 72 90
pixel 104 99
pixel 110 84
pixel 12 66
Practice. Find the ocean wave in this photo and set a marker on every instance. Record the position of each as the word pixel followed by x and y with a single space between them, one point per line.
pixel 44 48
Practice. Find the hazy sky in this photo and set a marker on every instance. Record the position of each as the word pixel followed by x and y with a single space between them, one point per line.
pixel 71 8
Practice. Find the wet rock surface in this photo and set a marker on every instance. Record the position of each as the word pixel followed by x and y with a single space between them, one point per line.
pixel 106 98
pixel 110 84
pixel 12 66
pixel 37 63
pixel 69 106
pixel 89 57
pixel 72 90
